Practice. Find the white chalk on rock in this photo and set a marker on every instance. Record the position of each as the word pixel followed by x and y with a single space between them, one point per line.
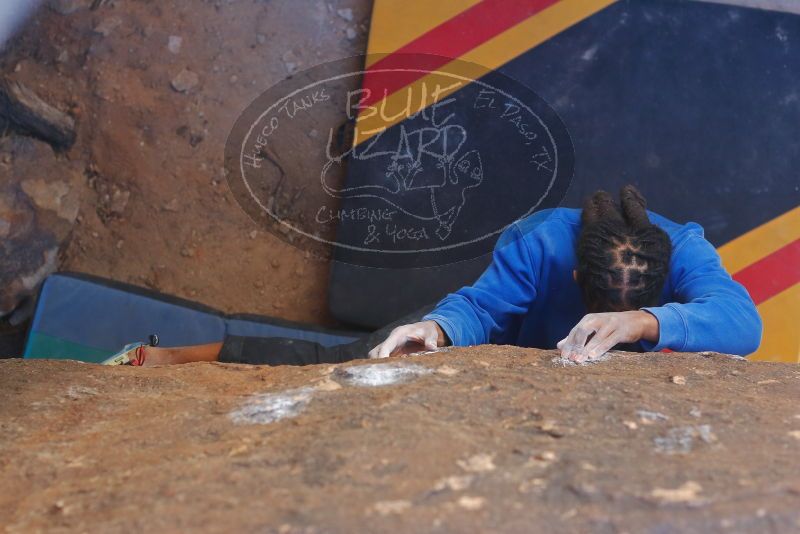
pixel 174 44
pixel 265 408
pixel 681 440
pixel 559 360
pixel 380 374
pixel 346 14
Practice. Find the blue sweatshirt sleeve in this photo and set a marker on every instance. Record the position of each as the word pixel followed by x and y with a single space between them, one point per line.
pixel 713 311
pixel 474 314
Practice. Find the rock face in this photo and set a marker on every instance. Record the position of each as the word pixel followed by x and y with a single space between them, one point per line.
pixel 484 439
pixel 27 112
pixel 39 200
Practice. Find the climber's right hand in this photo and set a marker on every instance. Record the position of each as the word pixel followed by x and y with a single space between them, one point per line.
pixel 409 338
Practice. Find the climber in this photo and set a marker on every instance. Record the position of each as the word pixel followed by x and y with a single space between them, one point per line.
pixel 588 281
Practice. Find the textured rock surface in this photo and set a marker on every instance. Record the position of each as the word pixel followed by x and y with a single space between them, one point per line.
pixel 157 211
pixel 485 439
pixel 39 201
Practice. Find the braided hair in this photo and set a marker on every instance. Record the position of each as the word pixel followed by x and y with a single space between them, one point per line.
pixel 623 259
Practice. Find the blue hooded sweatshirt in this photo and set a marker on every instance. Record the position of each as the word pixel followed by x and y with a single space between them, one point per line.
pixel 528 297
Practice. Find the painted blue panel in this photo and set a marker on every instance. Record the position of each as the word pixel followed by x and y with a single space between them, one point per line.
pixel 697 104
pixel 107 318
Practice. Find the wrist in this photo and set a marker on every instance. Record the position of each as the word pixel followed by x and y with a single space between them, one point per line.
pixel 441 337
pixel 648 326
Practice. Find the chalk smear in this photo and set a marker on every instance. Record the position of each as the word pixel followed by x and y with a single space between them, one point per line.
pixel 265 408
pixel 680 440
pixel 566 362
pixel 380 374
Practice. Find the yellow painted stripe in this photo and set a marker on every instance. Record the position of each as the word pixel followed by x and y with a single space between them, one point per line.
pixel 482 59
pixel 781 339
pixel 760 241
pixel 395 23
pixel 534 31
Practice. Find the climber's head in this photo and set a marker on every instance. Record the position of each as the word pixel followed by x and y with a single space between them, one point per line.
pixel 623 259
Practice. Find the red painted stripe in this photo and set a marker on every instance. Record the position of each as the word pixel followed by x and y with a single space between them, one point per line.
pixel 772 274
pixel 447 41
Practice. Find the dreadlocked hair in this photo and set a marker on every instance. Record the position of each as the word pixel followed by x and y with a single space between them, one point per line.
pixel 623 259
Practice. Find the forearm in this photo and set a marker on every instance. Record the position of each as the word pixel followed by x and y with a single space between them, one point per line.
pixel 475 314
pixel 708 309
pixel 732 327
pixel 462 320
